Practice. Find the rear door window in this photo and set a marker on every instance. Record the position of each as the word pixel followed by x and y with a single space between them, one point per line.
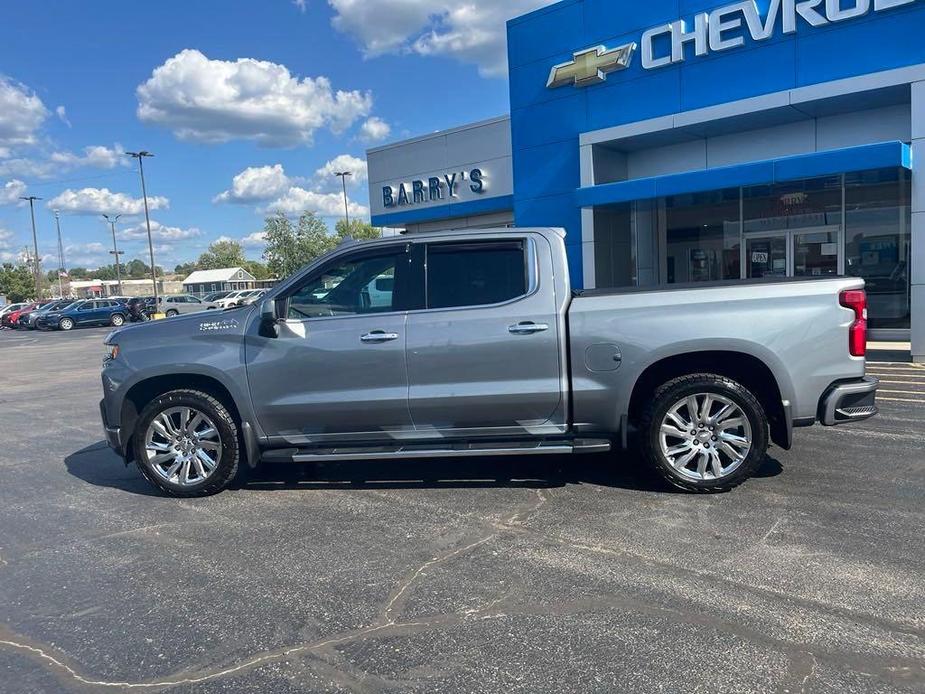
pixel 475 273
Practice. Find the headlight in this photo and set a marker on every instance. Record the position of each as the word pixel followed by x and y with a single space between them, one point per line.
pixel 112 351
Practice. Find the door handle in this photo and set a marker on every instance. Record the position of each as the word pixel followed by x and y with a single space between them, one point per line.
pixel 528 328
pixel 377 336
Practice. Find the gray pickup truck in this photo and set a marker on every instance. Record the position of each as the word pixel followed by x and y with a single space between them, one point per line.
pixel 472 343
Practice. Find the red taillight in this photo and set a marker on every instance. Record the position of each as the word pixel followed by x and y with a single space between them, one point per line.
pixel 856 300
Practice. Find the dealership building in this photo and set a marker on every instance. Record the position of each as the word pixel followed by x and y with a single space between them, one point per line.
pixel 683 141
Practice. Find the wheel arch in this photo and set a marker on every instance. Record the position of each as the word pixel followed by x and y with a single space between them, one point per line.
pixel 143 392
pixel 746 369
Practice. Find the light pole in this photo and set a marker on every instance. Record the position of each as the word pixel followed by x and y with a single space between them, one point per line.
pixel 62 268
pixel 115 249
pixel 35 243
pixel 140 156
pixel 342 175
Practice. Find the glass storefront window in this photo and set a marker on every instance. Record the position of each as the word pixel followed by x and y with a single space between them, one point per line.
pixel 858 224
pixel 703 236
pixel 877 242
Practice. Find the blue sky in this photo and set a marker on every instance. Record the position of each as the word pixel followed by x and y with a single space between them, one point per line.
pixel 268 91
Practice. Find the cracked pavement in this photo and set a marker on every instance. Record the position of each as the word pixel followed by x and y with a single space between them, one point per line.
pixel 488 575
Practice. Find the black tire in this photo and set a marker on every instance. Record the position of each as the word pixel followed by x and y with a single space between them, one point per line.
pixel 670 393
pixel 227 468
pixel 66 324
pixel 117 320
pixel 171 313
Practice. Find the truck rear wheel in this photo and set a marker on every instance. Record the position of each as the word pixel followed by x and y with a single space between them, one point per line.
pixel 704 433
pixel 186 444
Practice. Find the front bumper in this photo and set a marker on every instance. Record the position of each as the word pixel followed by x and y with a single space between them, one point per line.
pixel 849 401
pixel 113 434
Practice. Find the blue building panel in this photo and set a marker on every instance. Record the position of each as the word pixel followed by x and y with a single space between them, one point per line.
pixel 546 170
pixel 884 155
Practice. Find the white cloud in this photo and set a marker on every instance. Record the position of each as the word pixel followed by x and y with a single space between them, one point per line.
pixel 256 240
pixel 98 156
pixel 256 184
pixel 298 200
pixel 22 113
pixel 218 101
pixel 159 232
pixel 85 248
pixel 61 112
pixel 467 31
pixel 88 201
pixel 11 192
pixel 375 130
pixel 7 239
pixel 301 4
pixel 344 162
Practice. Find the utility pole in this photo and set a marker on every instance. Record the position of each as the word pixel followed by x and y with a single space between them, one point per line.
pixel 140 156
pixel 62 268
pixel 115 252
pixel 342 175
pixel 35 243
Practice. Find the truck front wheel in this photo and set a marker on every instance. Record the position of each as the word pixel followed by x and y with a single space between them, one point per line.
pixel 186 444
pixel 704 433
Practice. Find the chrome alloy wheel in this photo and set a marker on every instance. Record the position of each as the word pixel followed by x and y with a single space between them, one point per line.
pixel 183 446
pixel 705 436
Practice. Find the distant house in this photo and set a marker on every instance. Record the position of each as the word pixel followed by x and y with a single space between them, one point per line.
pixel 204 282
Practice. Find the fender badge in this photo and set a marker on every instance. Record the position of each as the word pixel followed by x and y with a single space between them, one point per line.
pixel 218 325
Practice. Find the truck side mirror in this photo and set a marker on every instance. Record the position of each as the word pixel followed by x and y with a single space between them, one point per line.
pixel 269 319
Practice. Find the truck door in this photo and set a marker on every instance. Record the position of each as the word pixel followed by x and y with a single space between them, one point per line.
pixel 337 368
pixel 485 353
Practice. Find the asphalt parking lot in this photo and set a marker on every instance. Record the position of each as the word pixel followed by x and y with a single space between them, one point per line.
pixel 524 575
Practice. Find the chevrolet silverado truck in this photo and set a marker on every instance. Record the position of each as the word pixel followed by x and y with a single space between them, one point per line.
pixel 473 343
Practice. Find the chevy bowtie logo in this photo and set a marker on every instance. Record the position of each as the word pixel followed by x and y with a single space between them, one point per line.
pixel 591 66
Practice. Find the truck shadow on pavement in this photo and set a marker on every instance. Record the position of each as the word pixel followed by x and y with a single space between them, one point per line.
pixel 99 466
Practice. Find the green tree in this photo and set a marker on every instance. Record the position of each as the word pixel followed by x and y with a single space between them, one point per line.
pixel 79 273
pixel 289 247
pixel 257 269
pixel 16 282
pixel 222 254
pixel 358 230
pixel 185 269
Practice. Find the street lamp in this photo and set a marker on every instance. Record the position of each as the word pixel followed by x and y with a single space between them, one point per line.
pixel 115 250
pixel 140 156
pixel 62 268
pixel 342 175
pixel 35 242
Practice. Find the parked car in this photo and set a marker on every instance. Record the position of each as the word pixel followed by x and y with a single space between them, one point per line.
pixel 485 349
pixel 11 319
pixel 215 296
pixel 233 298
pixel 9 308
pixel 30 320
pixel 85 312
pixel 252 297
pixel 174 305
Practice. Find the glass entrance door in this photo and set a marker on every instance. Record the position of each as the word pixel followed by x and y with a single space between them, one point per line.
pixel 793 253
pixel 815 254
pixel 767 256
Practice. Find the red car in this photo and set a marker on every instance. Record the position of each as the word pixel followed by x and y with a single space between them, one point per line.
pixel 11 320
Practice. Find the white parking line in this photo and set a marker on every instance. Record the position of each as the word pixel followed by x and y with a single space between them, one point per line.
pixel 903 392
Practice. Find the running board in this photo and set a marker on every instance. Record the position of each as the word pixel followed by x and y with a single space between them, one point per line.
pixel 462 450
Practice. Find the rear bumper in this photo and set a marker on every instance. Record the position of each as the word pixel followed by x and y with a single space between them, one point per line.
pixel 849 401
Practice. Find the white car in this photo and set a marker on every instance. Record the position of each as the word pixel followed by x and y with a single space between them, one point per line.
pixel 236 298
pixel 174 305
